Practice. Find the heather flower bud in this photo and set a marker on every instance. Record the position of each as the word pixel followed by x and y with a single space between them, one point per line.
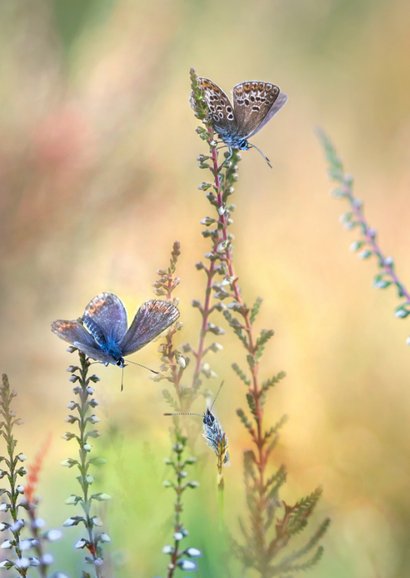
pixel 81 543
pixel 193 552
pixel 186 565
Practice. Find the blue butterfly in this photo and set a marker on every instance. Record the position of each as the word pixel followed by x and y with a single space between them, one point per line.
pixel 212 430
pixel 102 334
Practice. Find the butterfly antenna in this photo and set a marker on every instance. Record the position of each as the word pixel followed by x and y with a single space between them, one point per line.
pixel 183 413
pixel 262 154
pixel 215 398
pixel 143 366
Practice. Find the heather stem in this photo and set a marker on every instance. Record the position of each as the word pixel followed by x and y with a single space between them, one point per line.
pixel 84 419
pixel 221 492
pixel 14 469
pixel 178 448
pixel 254 390
pixel 85 462
pixel 173 366
pixel 212 270
pixel 368 244
pixel 199 353
pixel 369 234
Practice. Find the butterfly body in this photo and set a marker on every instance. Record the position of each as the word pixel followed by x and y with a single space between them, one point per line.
pixel 214 434
pixel 254 104
pixel 102 333
pixel 208 418
pixel 234 141
pixel 107 343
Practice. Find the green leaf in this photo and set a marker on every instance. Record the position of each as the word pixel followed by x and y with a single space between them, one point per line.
pixel 241 374
pixel 400 289
pixel 273 381
pixel 261 342
pixel 287 564
pixel 335 164
pixel 169 399
pixel 402 311
pixel 356 245
pixel 365 254
pixel 251 361
pixel 235 326
pixel 249 462
pixel 251 404
pixel 255 309
pixel 276 481
pixel 381 283
pixel 275 428
pixel 302 510
pixel 248 425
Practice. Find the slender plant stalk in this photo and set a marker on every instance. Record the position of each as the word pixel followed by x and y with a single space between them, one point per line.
pixel 178 507
pixel 368 245
pixel 173 366
pixel 214 270
pixel 83 417
pixel 180 556
pixel 13 471
pixel 220 484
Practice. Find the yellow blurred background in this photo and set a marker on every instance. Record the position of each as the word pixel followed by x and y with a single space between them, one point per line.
pixel 98 177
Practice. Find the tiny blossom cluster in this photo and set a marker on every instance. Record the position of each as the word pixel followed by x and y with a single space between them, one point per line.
pixel 40 560
pixel 179 557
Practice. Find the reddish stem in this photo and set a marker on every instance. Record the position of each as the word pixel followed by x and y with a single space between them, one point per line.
pixel 371 240
pixel 254 389
pixel 207 308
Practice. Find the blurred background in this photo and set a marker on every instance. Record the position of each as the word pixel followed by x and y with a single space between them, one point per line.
pixel 98 177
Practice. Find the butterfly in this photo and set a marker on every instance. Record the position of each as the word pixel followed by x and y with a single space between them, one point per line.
pixel 254 104
pixel 102 334
pixel 212 430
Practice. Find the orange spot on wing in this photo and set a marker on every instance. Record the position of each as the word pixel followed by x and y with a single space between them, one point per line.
pixel 96 305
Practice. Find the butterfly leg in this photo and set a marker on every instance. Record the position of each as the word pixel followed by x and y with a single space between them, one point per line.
pixel 226 159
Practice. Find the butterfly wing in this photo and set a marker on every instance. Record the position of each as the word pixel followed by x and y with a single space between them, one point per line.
pixel 96 353
pixel 276 106
pixel 75 334
pixel 72 332
pixel 151 319
pixel 108 313
pixel 255 103
pixel 220 109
